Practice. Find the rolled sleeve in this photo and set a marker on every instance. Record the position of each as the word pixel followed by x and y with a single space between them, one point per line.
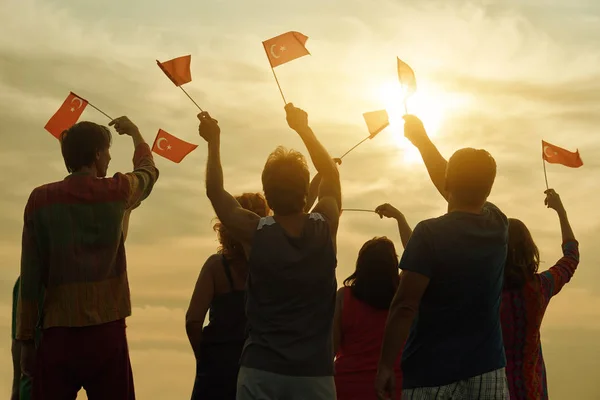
pixel 143 177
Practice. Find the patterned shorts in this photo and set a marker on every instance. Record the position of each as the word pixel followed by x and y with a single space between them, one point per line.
pixel 489 386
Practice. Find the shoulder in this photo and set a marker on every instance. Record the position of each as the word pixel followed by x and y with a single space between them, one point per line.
pixel 212 262
pixel 41 196
pixel 493 210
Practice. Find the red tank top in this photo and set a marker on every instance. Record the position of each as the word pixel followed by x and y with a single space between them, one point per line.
pixel 358 355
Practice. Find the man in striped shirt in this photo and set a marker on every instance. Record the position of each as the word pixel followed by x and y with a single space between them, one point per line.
pixel 73 262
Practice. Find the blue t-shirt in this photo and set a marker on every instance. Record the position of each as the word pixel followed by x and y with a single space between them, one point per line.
pixel 456 334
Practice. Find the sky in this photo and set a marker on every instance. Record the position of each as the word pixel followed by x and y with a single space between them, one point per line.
pixel 499 75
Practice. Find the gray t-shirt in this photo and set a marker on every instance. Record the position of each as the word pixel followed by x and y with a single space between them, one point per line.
pixel 291 300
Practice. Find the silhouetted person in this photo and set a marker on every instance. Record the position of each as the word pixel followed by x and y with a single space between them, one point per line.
pixel 450 292
pixel 526 296
pixel 291 279
pixel 361 311
pixel 221 289
pixel 73 266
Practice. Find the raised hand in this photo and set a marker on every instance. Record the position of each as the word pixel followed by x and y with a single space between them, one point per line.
pixel 553 201
pixel 297 118
pixel 389 211
pixel 124 126
pixel 414 130
pixel 209 128
pixel 338 161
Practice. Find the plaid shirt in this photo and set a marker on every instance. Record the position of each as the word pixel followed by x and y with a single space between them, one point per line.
pixel 73 254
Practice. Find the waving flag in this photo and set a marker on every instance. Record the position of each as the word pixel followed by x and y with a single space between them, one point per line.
pixel 285 48
pixel 67 115
pixel 407 77
pixel 376 121
pixel 557 155
pixel 171 147
pixel 177 69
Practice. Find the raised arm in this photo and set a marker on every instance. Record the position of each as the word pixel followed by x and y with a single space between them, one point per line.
pixel 560 274
pixel 241 223
pixel 389 211
pixel 330 194
pixel 313 190
pixel 436 164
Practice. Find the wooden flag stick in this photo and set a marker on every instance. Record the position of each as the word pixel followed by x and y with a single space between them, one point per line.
pixel 278 85
pixel 359 143
pixel 100 111
pixel 357 209
pixel 190 97
pixel 544 163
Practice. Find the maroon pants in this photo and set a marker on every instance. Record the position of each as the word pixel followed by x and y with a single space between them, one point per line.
pixel 95 358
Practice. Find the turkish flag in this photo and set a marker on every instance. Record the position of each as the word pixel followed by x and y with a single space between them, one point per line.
pixel 376 121
pixel 67 115
pixel 170 147
pixel 557 155
pixel 177 69
pixel 407 78
pixel 285 48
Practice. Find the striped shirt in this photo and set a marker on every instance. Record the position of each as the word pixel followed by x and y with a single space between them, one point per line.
pixel 73 254
pixel 522 313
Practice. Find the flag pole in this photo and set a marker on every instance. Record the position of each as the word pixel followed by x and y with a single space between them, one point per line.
pixel 359 143
pixel 357 209
pixel 544 163
pixel 278 85
pixel 190 97
pixel 100 111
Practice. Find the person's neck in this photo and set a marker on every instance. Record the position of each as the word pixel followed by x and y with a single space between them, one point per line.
pixel 91 171
pixel 288 217
pixel 452 207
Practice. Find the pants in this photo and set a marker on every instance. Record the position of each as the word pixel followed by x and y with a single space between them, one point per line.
pixel 489 386
pixel 254 384
pixel 95 358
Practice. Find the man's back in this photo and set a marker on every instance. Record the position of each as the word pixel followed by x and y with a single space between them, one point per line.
pixel 291 300
pixel 457 333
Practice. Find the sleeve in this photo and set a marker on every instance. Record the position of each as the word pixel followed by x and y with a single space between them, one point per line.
pixel 31 277
pixel 418 256
pixel 553 280
pixel 143 177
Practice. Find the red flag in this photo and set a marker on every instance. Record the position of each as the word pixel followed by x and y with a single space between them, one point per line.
pixel 285 48
pixel 177 69
pixel 67 115
pixel 376 121
pixel 557 155
pixel 407 77
pixel 170 147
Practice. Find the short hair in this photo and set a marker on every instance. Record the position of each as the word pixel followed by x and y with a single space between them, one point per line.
pixel 285 181
pixel 470 175
pixel 229 247
pixel 80 143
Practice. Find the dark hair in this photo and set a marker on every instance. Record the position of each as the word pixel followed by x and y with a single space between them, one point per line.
pixel 285 180
pixel 375 279
pixel 523 257
pixel 470 175
pixel 231 248
pixel 81 142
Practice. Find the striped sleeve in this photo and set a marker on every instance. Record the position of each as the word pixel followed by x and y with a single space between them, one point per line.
pixel 553 280
pixel 142 178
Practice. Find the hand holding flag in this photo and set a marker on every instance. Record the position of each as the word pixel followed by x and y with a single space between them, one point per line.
pixel 209 128
pixel 124 126
pixel 415 131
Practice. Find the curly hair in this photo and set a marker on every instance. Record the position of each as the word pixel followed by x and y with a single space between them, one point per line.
pixel 229 247
pixel 523 256
pixel 376 278
pixel 285 181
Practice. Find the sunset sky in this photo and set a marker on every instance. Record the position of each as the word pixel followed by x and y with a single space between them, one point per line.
pixel 499 75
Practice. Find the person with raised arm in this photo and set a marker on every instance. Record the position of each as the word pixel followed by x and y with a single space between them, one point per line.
pixel 526 296
pixel 73 281
pixel 447 306
pixel 362 307
pixel 291 285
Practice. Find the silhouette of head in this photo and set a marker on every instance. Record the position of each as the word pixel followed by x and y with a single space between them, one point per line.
pixel 523 256
pixel 469 177
pixel 285 180
pixel 375 279
pixel 86 145
pixel 231 248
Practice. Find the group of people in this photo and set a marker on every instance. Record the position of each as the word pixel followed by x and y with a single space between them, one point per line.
pixel 457 317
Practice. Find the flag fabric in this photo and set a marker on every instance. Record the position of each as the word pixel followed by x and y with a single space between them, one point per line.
pixel 67 115
pixel 557 155
pixel 407 77
pixel 177 69
pixel 376 121
pixel 285 48
pixel 171 147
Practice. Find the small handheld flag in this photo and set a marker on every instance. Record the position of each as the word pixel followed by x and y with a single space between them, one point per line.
pixel 68 114
pixel 407 78
pixel 376 122
pixel 557 155
pixel 178 71
pixel 285 48
pixel 171 147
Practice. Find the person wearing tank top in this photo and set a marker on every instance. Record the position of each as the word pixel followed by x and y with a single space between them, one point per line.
pixel 292 259
pixel 361 311
pixel 220 291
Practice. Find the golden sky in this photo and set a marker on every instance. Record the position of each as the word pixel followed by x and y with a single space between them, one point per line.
pixel 495 75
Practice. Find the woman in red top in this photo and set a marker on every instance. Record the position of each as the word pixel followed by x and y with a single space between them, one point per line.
pixel 361 311
pixel 525 297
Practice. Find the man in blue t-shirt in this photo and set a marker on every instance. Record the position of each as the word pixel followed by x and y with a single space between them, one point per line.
pixel 447 308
